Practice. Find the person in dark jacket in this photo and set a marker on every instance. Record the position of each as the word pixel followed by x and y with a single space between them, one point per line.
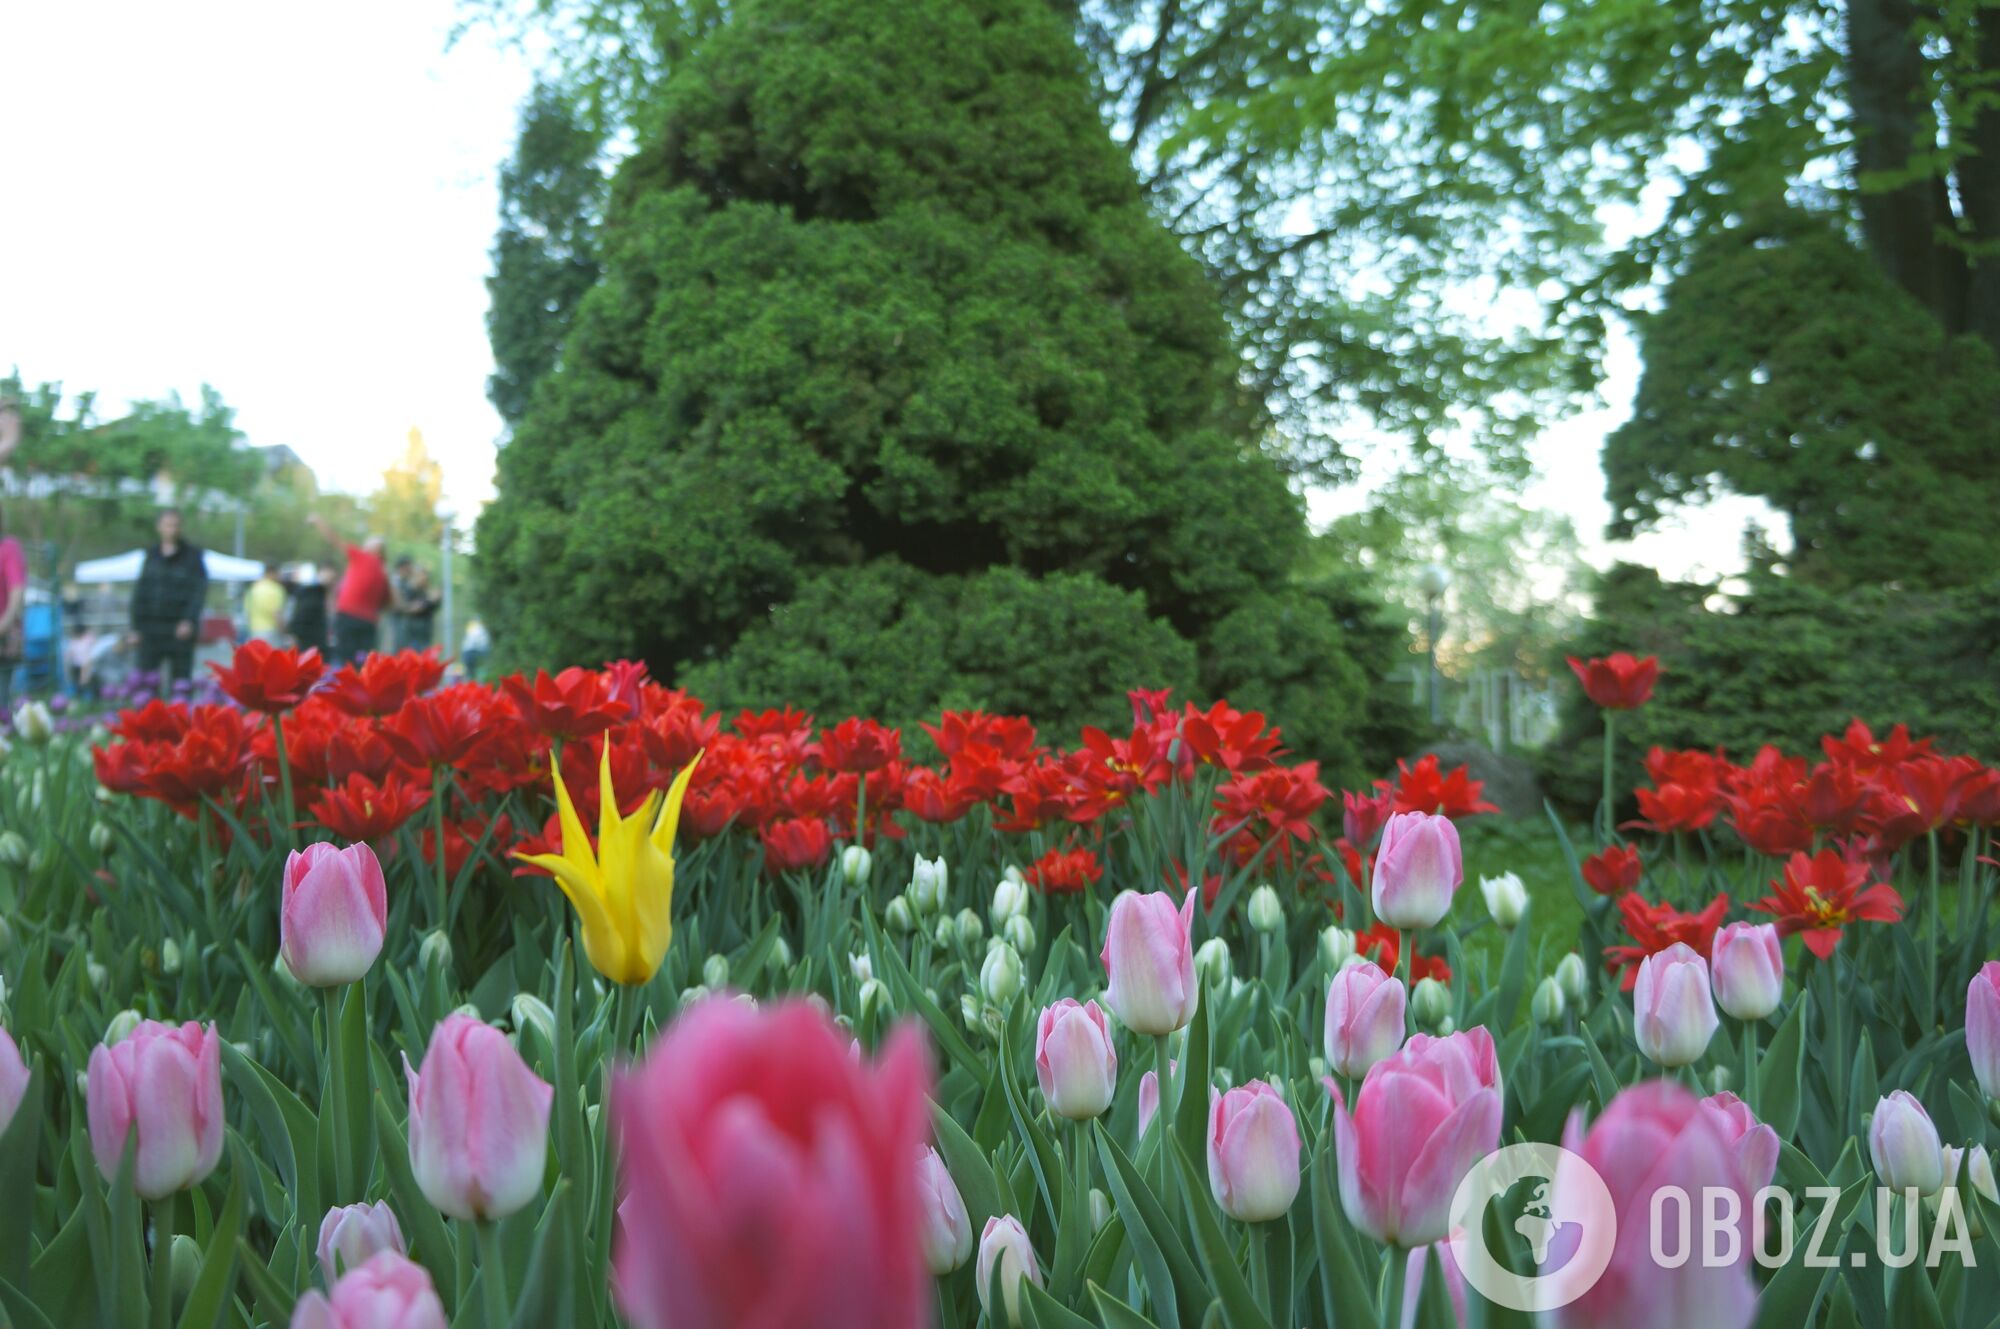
pixel 307 620
pixel 167 603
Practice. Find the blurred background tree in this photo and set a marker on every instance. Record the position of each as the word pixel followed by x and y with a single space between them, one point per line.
pixel 404 508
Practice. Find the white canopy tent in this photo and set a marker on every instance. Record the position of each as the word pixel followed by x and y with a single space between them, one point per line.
pixel 125 567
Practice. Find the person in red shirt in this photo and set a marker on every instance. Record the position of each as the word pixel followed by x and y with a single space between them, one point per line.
pixel 362 597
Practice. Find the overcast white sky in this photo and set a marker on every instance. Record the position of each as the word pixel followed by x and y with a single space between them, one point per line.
pixel 294 203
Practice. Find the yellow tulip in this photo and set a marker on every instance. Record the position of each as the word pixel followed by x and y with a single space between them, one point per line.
pixel 623 893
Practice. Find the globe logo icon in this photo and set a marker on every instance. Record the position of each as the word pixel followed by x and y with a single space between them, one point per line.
pixel 1566 1217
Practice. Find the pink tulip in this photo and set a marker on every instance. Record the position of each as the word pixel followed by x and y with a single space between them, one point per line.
pixel 162 1083
pixel 1673 1014
pixel 1982 1027
pixel 479 1122
pixel 1149 955
pixel 1005 1244
pixel 350 1235
pixel 1748 969
pixel 1413 1281
pixel 1149 1095
pixel 388 1291
pixel 1656 1135
pixel 1754 1145
pixel 1364 1018
pixel 1417 870
pixel 1074 1060
pixel 767 1175
pixel 334 914
pixel 13 1080
pixel 1253 1153
pixel 1903 1144
pixel 1421 1119
pixel 947 1228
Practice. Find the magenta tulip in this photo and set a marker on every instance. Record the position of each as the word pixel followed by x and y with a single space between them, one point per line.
pixel 350 1235
pixel 334 915
pixel 1982 1027
pixel 1005 1245
pixel 1747 967
pixel 479 1122
pixel 1253 1153
pixel 1364 1018
pixel 1657 1135
pixel 1074 1060
pixel 163 1084
pixel 387 1291
pixel 13 1080
pixel 1417 870
pixel 768 1175
pixel 1149 955
pixel 947 1228
pixel 1421 1119
pixel 1673 1015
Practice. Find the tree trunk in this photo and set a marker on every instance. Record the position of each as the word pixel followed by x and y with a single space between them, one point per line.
pixel 1978 180
pixel 1899 216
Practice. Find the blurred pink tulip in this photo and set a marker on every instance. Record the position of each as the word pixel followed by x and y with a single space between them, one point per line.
pixel 388 1291
pixel 334 914
pixel 1754 1145
pixel 351 1234
pixel 1364 1018
pixel 1748 968
pixel 947 1227
pixel 13 1080
pixel 162 1083
pixel 1673 1014
pixel 1417 870
pixel 1074 1060
pixel 1253 1153
pixel 1421 1119
pixel 1149 955
pixel 767 1174
pixel 1005 1245
pixel 1982 1027
pixel 1149 1095
pixel 479 1122
pixel 1656 1135
pixel 1413 1282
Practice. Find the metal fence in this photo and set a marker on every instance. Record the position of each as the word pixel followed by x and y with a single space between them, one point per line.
pixel 1503 708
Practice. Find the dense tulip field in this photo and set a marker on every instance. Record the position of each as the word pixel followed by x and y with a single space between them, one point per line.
pixel 356 999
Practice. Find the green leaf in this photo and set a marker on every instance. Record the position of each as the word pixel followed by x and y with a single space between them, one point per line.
pixel 1115 1314
pixel 271 1295
pixel 1793 1291
pixel 17 1310
pixel 1344 1292
pixel 1225 1275
pixel 1041 1151
pixel 1194 1079
pixel 1600 1069
pixel 1156 1246
pixel 208 1304
pixel 20 1143
pixel 1781 1074
pixel 430 1245
pixel 969 1169
pixel 543 1302
pixel 1043 1311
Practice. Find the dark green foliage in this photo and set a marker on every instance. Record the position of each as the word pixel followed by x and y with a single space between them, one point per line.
pixel 892 394
pixel 1784 663
pixel 1785 364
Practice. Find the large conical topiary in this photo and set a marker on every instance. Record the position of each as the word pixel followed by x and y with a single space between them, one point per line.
pixel 893 394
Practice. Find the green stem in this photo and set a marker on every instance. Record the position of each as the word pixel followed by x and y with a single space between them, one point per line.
pixel 1749 1085
pixel 1392 1287
pixel 1260 1271
pixel 1163 1119
pixel 1610 735
pixel 1936 907
pixel 440 913
pixel 1406 969
pixel 336 1078
pixel 492 1274
pixel 285 781
pixel 163 1262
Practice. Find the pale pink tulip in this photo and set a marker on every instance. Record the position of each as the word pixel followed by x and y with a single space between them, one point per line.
pixel 1421 1119
pixel 162 1083
pixel 388 1291
pixel 1904 1146
pixel 1074 1060
pixel 1149 1095
pixel 1754 1145
pixel 947 1228
pixel 1149 955
pixel 479 1122
pixel 13 1080
pixel 1417 870
pixel 1982 1027
pixel 1748 968
pixel 1253 1153
pixel 334 914
pixel 1005 1244
pixel 1364 1018
pixel 1673 1015
pixel 351 1234
pixel 1657 1135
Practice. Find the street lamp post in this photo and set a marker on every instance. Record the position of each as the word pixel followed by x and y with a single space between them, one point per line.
pixel 448 641
pixel 1434 580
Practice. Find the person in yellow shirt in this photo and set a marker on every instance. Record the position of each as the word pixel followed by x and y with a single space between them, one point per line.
pixel 264 608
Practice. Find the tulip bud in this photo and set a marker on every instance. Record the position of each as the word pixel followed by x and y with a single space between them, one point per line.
pixel 1019 933
pixel 1253 1153
pixel 1506 898
pixel 1982 1027
pixel 1747 969
pixel 170 957
pixel 529 1011
pixel 1572 977
pixel 1979 1171
pixel 1000 974
pixel 901 919
pixel 1417 869
pixel 946 932
pixel 929 880
pixel 715 971
pixel 33 723
pixel 874 995
pixel 970 929
pixel 13 849
pixel 1149 957
pixel 1267 912
pixel 1673 1014
pixel 96 975
pixel 388 1291
pixel 160 1085
pixel 1010 898
pixel 351 1234
pixel 1719 1079
pixel 1549 1004
pixel 434 952
pixel 1364 1018
pixel 947 1230
pixel 1074 1060
pixel 183 1265
pixel 479 1122
pixel 861 965
pixel 691 994
pixel 334 914
pixel 1430 1004
pixel 970 1010
pixel 121 1026
pixel 1100 1210
pixel 855 864
pixel 14 1078
pixel 7 746
pixel 1336 945
pixel 101 837
pixel 1904 1145
pixel 1004 1245
pixel 781 952
pixel 1211 961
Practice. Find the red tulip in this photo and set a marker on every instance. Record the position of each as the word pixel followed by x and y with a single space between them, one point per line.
pixel 1820 896
pixel 381 683
pixel 265 678
pixel 361 810
pixel 857 746
pixel 1065 872
pixel 798 842
pixel 1618 682
pixel 1613 870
